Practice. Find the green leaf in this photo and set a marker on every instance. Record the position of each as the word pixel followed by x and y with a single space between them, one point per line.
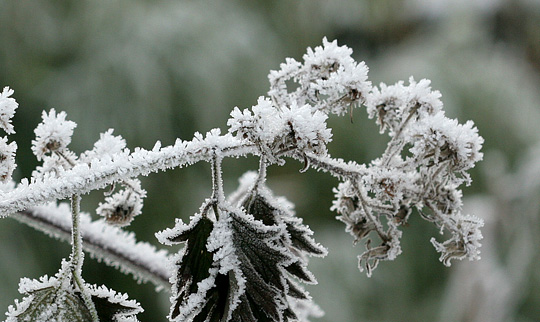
pixel 261 264
pixel 195 265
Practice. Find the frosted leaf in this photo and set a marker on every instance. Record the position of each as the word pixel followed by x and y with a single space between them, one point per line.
pixel 258 264
pixel 56 299
pixel 113 306
pixel 8 105
pixel 52 134
pixel 7 159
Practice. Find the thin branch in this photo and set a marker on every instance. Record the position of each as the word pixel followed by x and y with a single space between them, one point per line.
pixel 106 243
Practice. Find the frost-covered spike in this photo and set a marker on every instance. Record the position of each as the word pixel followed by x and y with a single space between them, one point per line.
pixel 52 134
pixel 8 105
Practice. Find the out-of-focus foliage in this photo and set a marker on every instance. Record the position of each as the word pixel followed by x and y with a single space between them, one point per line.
pixel 161 70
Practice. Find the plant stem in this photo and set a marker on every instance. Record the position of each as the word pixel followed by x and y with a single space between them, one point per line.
pixel 77 256
pixel 76 239
pixel 218 195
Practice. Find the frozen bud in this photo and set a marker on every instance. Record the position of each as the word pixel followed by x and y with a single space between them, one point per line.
pixel 107 144
pixel 422 98
pixel 7 159
pixel 465 241
pixel 8 105
pixel 387 105
pixel 261 125
pixel 438 138
pixel 52 134
pixel 392 105
pixel 327 59
pixel 120 208
pixel 308 130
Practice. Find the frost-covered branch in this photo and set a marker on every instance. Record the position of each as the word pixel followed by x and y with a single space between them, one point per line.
pixel 112 245
pixel 101 172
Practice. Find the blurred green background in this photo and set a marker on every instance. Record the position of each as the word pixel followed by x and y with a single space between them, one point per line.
pixel 158 70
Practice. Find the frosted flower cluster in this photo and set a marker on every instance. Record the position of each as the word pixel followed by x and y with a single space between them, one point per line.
pixel 278 130
pixel 8 105
pixel 329 80
pixel 53 134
